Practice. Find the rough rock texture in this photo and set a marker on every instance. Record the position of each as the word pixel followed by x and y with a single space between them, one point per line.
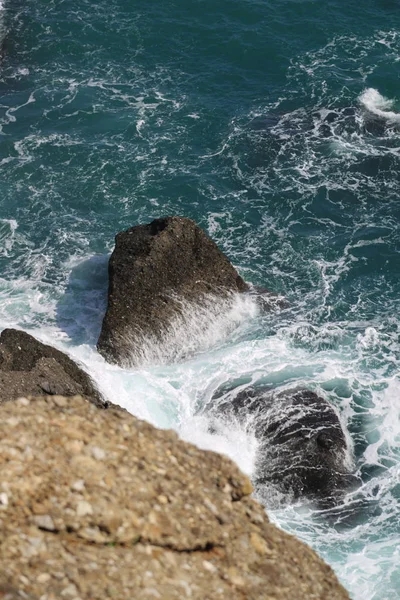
pixel 303 449
pixel 97 504
pixel 152 269
pixel 28 367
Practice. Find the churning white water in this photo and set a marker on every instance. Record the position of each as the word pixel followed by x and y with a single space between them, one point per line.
pixel 239 347
pixel 379 105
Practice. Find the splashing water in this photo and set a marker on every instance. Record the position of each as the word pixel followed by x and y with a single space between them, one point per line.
pixel 275 132
pixel 197 326
pixel 379 105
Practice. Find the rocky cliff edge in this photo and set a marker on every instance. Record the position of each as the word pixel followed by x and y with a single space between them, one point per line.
pixel 97 504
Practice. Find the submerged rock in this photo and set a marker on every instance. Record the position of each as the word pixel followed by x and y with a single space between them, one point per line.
pixel 303 450
pixel 266 300
pixel 29 368
pixel 97 504
pixel 327 122
pixel 153 271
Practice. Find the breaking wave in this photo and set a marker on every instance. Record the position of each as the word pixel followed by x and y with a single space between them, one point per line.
pixel 196 327
pixel 379 105
pixel 293 171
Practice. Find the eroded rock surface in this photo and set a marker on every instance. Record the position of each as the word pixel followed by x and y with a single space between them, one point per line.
pixel 97 504
pixel 153 269
pixel 28 367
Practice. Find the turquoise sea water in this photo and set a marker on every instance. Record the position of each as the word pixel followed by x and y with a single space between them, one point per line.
pixel 276 126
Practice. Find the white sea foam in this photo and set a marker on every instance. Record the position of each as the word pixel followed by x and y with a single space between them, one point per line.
pixel 8 228
pixel 299 353
pixel 353 363
pixel 196 327
pixel 379 105
pixel 3 29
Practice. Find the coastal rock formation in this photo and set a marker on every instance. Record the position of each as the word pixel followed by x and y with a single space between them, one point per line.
pixel 153 270
pixel 97 504
pixel 302 449
pixel 28 367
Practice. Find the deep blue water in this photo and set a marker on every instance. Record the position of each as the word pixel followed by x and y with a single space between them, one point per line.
pixel 276 126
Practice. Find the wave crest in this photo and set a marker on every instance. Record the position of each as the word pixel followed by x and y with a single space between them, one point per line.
pixel 378 105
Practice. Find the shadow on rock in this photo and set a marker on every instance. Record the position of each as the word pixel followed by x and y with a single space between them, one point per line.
pixel 81 310
pixel 28 367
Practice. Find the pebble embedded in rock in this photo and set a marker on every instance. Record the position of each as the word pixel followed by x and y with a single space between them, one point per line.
pixel 78 486
pixel 44 522
pixel 84 508
pixel 98 453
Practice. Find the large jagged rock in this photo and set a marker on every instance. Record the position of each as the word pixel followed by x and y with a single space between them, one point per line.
pixel 97 504
pixel 302 450
pixel 152 270
pixel 28 367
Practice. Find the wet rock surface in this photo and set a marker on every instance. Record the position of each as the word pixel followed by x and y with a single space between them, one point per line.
pixel 28 367
pixel 152 270
pixel 268 301
pixel 97 504
pixel 302 449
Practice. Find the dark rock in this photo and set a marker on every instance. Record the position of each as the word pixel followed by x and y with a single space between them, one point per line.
pixel 302 449
pixel 152 270
pixel 28 367
pixel 266 300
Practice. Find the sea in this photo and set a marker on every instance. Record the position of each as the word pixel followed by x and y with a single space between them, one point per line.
pixel 275 124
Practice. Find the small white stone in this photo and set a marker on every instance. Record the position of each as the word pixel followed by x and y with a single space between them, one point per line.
pixel 69 591
pixel 43 578
pixel 44 522
pixel 23 401
pixel 209 566
pixel 36 542
pixel 60 401
pixel 3 499
pixel 152 592
pixel 98 453
pixel 78 486
pixel 211 506
pixel 84 508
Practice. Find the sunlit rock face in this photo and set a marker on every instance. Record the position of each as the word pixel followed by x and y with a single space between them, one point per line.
pixel 96 500
pixel 155 271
